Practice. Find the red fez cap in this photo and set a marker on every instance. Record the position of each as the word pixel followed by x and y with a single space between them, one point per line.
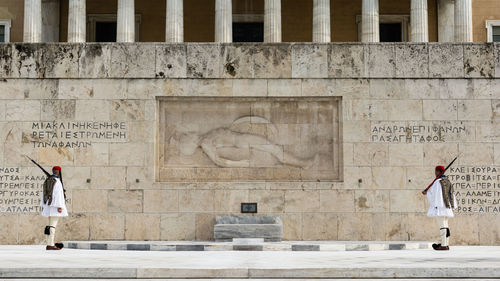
pixel 440 168
pixel 56 168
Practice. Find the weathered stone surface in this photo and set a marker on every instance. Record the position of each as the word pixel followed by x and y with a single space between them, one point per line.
pixel 58 110
pixel 142 227
pixel 273 61
pixel 171 61
pixel 380 60
pixel 31 228
pixel 10 229
pixel 203 60
pixel 101 178
pixel 133 60
pixel 319 226
pixel 479 61
pixel 98 89
pixel 90 201
pixel 250 87
pixel 135 155
pixel 27 61
pixel 107 226
pixel 75 227
pixel 237 60
pixel 5 60
pixel 412 60
pixel 346 60
pixel 19 110
pixel 337 200
pixel 230 200
pixel 497 59
pixel 178 226
pixel 440 110
pixel 161 201
pixel 371 200
pixel 309 61
pixel 446 60
pixel 95 60
pixel 302 201
pixel 61 60
pixel 475 110
pixel 196 200
pixel 204 227
pixel 125 201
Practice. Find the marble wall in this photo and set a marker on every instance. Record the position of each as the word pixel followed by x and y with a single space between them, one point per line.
pixel 105 113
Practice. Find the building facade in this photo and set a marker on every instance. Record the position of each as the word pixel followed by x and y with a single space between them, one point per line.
pixel 339 139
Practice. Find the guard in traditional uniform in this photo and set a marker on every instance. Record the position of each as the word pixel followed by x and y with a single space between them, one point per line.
pixel 442 201
pixel 54 205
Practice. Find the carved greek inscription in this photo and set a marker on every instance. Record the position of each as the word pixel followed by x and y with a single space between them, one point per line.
pixel 75 134
pixel 477 189
pixel 20 191
pixel 425 132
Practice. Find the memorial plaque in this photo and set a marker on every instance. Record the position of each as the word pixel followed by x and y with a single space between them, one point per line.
pixel 241 139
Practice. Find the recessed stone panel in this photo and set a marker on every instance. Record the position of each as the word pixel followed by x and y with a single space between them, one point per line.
pixel 250 139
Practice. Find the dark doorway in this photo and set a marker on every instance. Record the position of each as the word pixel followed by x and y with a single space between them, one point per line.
pixel 248 32
pixel 105 31
pixel 390 32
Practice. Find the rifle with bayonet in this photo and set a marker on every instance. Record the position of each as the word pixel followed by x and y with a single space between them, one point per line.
pixel 449 165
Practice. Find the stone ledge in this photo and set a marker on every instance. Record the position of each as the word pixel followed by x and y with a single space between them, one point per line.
pixel 239 60
pixel 181 246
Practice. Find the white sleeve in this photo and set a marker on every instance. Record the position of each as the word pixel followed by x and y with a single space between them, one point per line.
pixel 41 198
pixel 438 194
pixel 58 196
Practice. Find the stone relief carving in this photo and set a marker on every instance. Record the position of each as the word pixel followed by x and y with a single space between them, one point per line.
pixel 216 139
pixel 229 147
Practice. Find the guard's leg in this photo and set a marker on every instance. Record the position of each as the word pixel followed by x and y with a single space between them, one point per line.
pixel 443 229
pixel 53 224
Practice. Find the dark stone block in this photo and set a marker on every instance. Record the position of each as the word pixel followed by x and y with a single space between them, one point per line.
pixel 138 247
pixel 397 246
pixel 248 247
pixel 98 246
pixel 190 248
pixel 305 247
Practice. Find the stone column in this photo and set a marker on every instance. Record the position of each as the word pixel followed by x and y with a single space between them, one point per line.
pixel 463 20
pixel 77 21
pixel 446 20
pixel 174 31
pixel 272 21
pixel 370 21
pixel 321 21
pixel 50 20
pixel 419 21
pixel 32 21
pixel 223 21
pixel 126 21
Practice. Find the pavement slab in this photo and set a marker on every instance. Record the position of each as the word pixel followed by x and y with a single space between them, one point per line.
pixel 25 262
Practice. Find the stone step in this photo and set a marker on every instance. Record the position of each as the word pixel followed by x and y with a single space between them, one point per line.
pixel 347 273
pixel 247 279
pixel 248 245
